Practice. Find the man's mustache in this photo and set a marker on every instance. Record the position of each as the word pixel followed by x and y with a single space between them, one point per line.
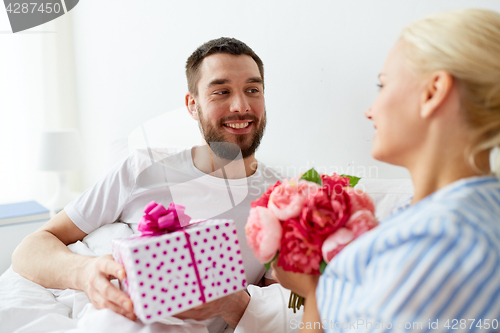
pixel 236 117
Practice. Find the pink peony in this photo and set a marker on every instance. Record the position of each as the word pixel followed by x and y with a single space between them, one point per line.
pixel 360 200
pixel 334 183
pixel 263 231
pixel 264 199
pixel 287 200
pixel 306 223
pixel 300 250
pixel 323 214
pixel 361 221
pixel 334 243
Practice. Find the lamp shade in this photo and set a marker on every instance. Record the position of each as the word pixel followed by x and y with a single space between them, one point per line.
pixel 60 151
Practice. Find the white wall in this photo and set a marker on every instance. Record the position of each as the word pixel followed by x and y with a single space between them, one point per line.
pixel 321 62
pixel 37 93
pixel 21 75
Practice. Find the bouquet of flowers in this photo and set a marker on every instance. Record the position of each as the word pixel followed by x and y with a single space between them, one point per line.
pixel 304 222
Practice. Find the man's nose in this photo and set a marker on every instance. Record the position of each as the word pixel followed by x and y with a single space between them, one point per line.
pixel 239 103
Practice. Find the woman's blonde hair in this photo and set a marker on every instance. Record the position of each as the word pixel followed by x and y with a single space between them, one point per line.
pixel 466 44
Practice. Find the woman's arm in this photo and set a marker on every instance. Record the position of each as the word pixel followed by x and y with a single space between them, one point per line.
pixel 303 285
pixel 311 318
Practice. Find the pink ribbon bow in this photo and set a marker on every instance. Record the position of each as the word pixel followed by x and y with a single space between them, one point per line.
pixel 158 219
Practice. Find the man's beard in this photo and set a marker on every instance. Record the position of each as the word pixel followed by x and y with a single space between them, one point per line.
pixel 215 138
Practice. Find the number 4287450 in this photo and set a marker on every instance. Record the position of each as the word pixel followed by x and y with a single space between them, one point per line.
pixel 32 7
pixel 455 324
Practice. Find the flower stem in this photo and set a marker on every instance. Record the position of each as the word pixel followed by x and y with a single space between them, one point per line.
pixel 295 302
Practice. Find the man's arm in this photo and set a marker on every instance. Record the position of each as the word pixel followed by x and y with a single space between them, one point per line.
pixel 231 308
pixel 44 258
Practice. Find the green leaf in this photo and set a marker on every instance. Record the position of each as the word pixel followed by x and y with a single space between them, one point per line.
pixel 268 265
pixel 353 180
pixel 322 266
pixel 312 176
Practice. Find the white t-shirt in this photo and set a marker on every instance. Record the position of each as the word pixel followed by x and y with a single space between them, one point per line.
pixel 168 175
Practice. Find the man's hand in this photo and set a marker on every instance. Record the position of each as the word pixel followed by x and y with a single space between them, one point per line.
pixel 230 308
pixel 301 284
pixel 102 293
pixel 44 258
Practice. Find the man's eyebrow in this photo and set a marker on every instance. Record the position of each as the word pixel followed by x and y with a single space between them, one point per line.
pixel 214 82
pixel 254 79
pixel 217 82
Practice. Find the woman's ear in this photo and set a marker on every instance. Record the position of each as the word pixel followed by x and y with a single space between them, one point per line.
pixel 437 87
pixel 191 105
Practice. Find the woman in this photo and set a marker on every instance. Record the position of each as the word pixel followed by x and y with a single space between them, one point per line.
pixel 434 265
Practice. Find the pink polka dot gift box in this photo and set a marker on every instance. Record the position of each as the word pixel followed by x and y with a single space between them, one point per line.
pixel 175 268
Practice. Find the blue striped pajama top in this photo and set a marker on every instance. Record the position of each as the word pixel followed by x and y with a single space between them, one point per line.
pixel 431 267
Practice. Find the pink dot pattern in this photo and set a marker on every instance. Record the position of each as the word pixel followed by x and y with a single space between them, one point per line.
pixel 161 279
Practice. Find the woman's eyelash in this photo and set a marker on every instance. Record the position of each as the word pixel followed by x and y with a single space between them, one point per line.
pixel 379 85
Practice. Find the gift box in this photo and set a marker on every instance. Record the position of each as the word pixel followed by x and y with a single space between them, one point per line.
pixel 174 272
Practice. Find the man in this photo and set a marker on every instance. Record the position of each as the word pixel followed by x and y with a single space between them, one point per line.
pixel 226 86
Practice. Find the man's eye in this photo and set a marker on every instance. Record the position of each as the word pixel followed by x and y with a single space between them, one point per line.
pixel 222 92
pixel 380 86
pixel 253 91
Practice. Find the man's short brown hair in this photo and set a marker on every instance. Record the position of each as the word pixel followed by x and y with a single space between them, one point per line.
pixel 220 45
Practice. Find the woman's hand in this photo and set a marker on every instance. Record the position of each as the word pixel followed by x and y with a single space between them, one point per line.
pixel 305 286
pixel 301 284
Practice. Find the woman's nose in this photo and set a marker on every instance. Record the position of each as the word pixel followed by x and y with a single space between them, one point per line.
pixel 368 113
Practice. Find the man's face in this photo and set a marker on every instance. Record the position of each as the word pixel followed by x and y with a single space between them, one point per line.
pixel 230 104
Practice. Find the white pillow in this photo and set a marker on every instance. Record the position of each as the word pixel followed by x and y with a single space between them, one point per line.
pixel 386 193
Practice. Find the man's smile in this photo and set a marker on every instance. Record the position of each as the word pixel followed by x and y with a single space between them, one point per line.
pixel 238 126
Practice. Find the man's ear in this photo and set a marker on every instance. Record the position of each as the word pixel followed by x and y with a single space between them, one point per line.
pixel 437 87
pixel 191 105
